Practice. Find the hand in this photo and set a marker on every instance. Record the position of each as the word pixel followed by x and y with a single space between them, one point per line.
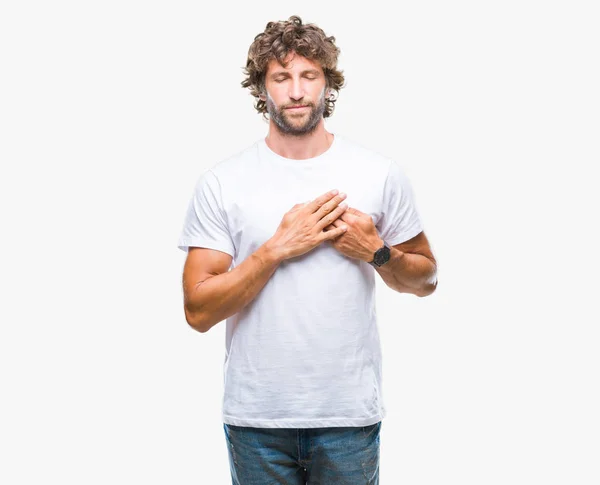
pixel 301 228
pixel 361 240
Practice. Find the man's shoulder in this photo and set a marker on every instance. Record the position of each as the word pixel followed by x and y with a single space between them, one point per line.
pixel 237 162
pixel 362 153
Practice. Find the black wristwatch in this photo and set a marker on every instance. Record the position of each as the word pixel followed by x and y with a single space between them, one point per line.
pixel 381 256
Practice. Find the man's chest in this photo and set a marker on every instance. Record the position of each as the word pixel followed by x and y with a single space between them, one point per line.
pixel 256 211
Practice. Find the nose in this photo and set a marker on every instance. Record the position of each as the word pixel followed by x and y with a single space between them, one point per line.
pixel 296 90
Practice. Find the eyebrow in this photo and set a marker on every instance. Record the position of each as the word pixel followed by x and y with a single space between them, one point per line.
pixel 285 73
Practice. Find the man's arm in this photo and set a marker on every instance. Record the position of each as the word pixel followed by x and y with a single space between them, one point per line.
pixel 412 267
pixel 212 293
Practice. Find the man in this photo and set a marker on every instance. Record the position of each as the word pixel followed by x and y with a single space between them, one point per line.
pixel 284 240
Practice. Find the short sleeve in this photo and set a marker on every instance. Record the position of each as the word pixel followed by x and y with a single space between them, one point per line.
pixel 400 220
pixel 205 223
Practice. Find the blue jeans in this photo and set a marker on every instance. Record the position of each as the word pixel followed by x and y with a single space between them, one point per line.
pixel 299 456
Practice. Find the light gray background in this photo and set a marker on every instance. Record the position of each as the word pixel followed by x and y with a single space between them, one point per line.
pixel 111 110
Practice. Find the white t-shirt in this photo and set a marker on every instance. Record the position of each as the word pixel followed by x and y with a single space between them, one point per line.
pixel 305 353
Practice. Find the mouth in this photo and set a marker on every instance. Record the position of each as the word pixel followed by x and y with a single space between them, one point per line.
pixel 297 107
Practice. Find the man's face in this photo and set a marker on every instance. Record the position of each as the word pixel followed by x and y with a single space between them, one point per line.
pixel 301 83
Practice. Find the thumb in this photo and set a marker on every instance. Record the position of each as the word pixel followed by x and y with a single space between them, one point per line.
pixel 354 211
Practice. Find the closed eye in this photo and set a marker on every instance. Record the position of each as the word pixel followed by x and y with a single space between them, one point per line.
pixel 311 78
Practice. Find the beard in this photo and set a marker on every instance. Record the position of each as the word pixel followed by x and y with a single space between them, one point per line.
pixel 297 125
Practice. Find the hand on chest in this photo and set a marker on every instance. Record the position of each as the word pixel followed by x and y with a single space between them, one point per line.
pixel 256 215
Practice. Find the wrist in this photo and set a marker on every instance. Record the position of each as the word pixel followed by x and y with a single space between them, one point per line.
pixel 372 248
pixel 381 256
pixel 272 252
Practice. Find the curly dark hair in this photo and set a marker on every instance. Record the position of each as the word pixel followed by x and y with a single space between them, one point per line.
pixel 276 42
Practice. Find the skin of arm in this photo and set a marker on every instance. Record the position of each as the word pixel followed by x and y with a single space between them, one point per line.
pixel 412 267
pixel 219 296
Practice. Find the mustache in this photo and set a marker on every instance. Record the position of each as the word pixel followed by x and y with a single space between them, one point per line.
pixel 301 104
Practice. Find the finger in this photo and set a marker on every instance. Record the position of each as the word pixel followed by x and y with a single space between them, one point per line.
pixel 330 206
pixel 355 212
pixel 316 204
pixel 331 217
pixel 337 232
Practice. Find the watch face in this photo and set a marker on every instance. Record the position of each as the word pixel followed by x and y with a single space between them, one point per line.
pixel 382 256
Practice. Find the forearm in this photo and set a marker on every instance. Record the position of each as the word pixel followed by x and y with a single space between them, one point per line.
pixel 223 295
pixel 409 273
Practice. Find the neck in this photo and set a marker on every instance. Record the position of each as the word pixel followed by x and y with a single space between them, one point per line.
pixel 299 147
